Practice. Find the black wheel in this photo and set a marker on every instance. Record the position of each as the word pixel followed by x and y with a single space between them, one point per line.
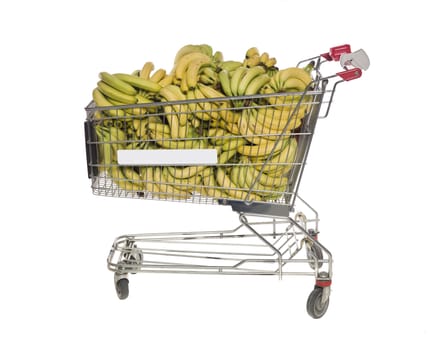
pixel 313 252
pixel 315 306
pixel 121 287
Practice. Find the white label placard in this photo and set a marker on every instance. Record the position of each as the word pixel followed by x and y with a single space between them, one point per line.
pixel 177 157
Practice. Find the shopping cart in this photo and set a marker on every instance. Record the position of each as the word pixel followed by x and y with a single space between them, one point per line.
pixel 225 151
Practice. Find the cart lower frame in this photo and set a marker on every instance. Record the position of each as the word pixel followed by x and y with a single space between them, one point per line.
pixel 259 245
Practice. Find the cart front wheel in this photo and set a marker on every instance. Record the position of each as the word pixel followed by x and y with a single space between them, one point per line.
pixel 316 305
pixel 121 287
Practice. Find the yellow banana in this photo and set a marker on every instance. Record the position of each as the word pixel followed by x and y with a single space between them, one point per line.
pixel 265 181
pixel 190 48
pixel 252 51
pixel 271 62
pixel 264 57
pixel 217 135
pixel 167 80
pixel 256 84
pixel 159 128
pixel 209 92
pixel 151 184
pixel 233 143
pixel 196 109
pixel 211 188
pixel 226 156
pixel 293 84
pixel 252 61
pixel 271 121
pixel 166 190
pixel 246 129
pixel 184 62
pixel 124 182
pixel 283 160
pixel 204 106
pixel 227 114
pixel 174 144
pixel 186 172
pixel 250 74
pixel 294 72
pixel 146 70
pixel 235 174
pixel 232 127
pixel 225 182
pixel 101 101
pixel 173 93
pixel 139 126
pixel 178 128
pixel 264 148
pixel 158 75
pixel 193 72
pixel 187 184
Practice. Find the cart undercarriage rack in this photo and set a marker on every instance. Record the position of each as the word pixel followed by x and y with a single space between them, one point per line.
pixel 224 151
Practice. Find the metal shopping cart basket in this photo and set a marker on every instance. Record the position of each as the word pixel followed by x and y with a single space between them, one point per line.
pixel 247 152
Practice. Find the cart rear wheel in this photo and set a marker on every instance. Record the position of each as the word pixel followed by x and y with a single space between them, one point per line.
pixel 121 287
pixel 316 307
pixel 314 252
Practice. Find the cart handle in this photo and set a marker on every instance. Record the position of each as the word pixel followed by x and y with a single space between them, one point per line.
pixel 357 59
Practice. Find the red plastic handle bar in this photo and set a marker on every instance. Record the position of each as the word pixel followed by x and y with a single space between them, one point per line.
pixel 350 74
pixel 336 52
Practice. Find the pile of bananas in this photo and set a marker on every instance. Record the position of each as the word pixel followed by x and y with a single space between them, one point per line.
pixel 206 102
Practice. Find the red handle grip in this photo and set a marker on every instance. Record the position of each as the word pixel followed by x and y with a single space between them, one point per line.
pixel 336 52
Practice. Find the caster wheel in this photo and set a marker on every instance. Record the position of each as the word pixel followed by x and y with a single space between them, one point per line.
pixel 314 252
pixel 121 287
pixel 316 306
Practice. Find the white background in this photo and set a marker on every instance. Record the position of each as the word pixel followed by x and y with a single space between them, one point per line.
pixel 367 176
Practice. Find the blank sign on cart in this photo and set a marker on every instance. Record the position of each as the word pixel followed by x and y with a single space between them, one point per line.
pixel 183 157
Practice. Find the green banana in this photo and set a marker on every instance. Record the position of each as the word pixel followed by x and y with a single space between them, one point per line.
pixel 144 84
pixel 115 94
pixel 230 66
pixel 224 79
pixel 236 78
pixel 117 83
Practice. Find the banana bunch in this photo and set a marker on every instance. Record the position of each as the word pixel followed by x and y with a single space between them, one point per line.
pixel 243 81
pixel 127 89
pixel 206 102
pixel 292 80
pixel 253 58
pixel 190 62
